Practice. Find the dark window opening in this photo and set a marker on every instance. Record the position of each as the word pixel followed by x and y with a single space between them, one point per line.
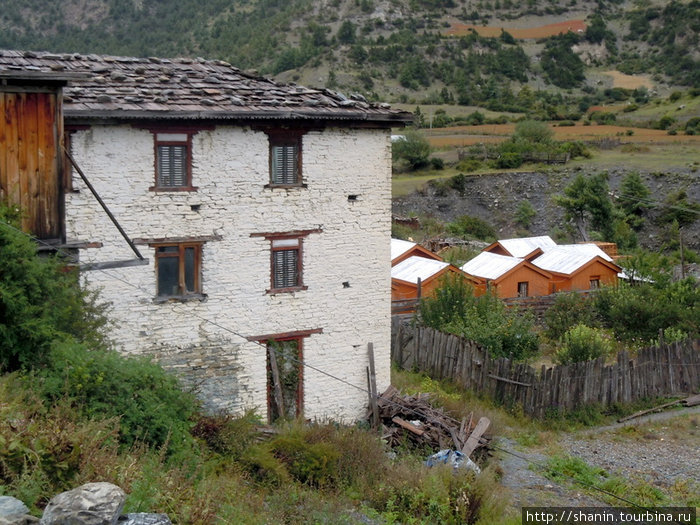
pixel 178 269
pixel 523 289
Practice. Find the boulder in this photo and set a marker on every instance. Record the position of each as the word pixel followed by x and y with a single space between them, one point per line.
pixel 143 518
pixel 89 504
pixel 14 512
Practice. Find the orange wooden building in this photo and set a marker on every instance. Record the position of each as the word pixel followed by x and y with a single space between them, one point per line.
pixel 507 276
pixel 405 277
pixel 402 250
pixel 578 267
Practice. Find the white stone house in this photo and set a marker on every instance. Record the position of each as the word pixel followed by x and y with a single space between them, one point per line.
pixel 263 211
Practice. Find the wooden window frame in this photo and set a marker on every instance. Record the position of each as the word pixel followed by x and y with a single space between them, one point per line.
pixel 280 138
pixel 281 247
pixel 186 143
pixel 297 235
pixel 526 285
pixel 594 282
pixel 184 294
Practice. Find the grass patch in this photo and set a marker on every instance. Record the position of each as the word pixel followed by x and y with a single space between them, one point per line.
pixel 573 471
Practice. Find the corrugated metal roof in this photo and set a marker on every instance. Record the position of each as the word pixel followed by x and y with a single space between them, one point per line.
pixel 399 247
pixel 489 265
pixel 414 267
pixel 128 87
pixel 568 258
pixel 527 245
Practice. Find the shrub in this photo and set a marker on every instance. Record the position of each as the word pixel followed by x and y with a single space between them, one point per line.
pixel 468 165
pixel 40 302
pixel 582 343
pixel 310 463
pixel 637 313
pixel 485 319
pixel 509 160
pixel 533 131
pixel 149 403
pixel 525 213
pixel 437 163
pixel 413 149
pixel 568 310
pixel 474 227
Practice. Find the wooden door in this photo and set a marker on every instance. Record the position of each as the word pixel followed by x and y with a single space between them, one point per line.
pixel 30 131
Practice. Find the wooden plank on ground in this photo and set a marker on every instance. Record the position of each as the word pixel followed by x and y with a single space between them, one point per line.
pixel 473 440
pixel 691 401
pixel 408 426
pixel 650 410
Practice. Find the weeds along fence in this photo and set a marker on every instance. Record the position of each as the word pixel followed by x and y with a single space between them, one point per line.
pixel 657 371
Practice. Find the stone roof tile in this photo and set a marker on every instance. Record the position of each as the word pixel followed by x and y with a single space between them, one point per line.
pixel 129 87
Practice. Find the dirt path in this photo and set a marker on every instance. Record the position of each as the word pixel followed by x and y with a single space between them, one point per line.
pixel 661 449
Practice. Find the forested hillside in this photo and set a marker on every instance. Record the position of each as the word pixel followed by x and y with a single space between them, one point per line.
pixel 430 51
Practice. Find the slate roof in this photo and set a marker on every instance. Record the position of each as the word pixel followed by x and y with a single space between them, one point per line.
pixel 102 86
pixel 489 265
pixel 414 267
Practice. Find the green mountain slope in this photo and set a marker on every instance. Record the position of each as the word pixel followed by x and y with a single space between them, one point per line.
pixel 397 50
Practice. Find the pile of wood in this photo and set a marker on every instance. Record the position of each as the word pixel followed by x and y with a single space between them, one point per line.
pixel 413 420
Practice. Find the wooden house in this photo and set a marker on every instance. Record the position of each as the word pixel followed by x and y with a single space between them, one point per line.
pixel 402 250
pixel 507 276
pixel 414 272
pixel 578 267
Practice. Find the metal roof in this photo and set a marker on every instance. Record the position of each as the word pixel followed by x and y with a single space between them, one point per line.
pixel 127 87
pixel 566 259
pixel 414 267
pixel 489 265
pixel 399 247
pixel 592 249
pixel 527 245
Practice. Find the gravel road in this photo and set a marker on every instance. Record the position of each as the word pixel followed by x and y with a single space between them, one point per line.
pixel 662 449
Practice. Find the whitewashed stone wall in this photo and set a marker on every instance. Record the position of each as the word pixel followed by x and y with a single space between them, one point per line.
pixel 204 341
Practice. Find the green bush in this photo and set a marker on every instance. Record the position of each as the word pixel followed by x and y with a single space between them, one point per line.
pixel 473 227
pixel 636 313
pixel 583 343
pixel 486 320
pixel 525 213
pixel 413 150
pixel 509 160
pixel 568 310
pixel 468 165
pixel 40 302
pixel 437 163
pixel 310 463
pixel 149 403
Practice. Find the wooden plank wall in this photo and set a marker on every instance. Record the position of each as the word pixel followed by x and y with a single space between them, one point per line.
pixel 29 160
pixel 656 371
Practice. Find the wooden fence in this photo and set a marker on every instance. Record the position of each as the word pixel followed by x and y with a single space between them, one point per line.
pixel 658 371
